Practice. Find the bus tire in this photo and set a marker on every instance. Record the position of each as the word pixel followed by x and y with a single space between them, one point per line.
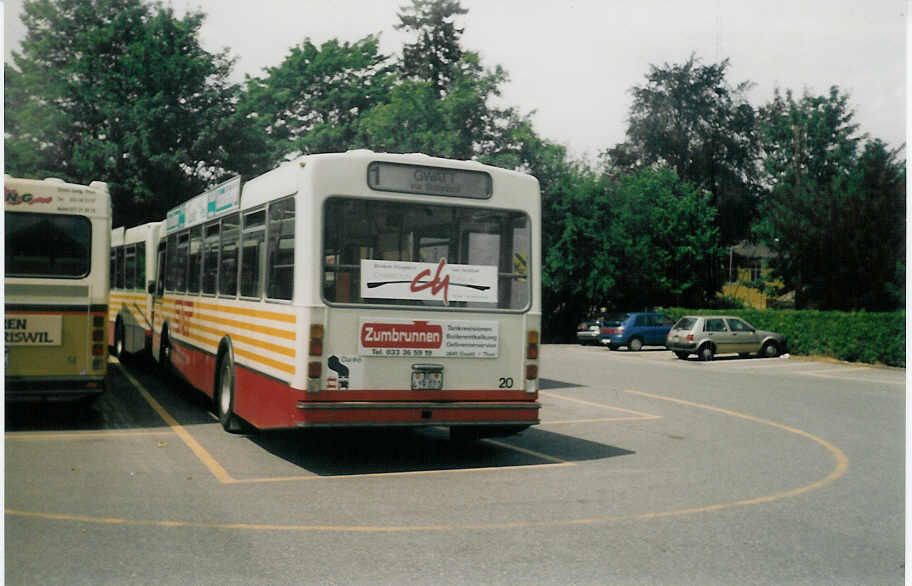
pixel 224 394
pixel 119 338
pixel 164 353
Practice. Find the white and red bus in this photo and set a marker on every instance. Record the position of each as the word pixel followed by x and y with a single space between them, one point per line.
pixel 358 289
pixel 132 272
pixel 57 242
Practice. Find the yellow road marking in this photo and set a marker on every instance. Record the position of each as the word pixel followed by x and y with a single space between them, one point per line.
pixel 639 414
pixel 211 463
pixel 842 462
pixel 840 469
pixel 48 435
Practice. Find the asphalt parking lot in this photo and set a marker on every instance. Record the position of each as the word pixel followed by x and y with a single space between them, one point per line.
pixel 645 469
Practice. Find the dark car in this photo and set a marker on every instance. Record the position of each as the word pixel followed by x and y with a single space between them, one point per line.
pixel 709 335
pixel 588 331
pixel 635 330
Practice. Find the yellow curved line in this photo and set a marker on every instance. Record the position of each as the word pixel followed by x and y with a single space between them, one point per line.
pixel 842 464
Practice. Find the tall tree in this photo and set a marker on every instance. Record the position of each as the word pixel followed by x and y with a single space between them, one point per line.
pixel 122 91
pixel 688 116
pixel 835 214
pixel 436 54
pixel 313 101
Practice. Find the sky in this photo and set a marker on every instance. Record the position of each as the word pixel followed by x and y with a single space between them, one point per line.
pixel 574 62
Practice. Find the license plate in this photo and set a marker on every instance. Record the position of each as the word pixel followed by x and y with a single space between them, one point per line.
pixel 427 377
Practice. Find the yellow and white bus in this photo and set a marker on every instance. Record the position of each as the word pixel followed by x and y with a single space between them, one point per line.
pixel 57 244
pixel 358 289
pixel 132 272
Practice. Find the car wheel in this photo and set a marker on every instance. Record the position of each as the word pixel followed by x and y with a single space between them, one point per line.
pixel 635 345
pixel 682 355
pixel 770 350
pixel 707 353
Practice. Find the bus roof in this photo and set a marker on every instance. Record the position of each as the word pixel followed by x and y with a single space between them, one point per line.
pixel 53 195
pixel 284 180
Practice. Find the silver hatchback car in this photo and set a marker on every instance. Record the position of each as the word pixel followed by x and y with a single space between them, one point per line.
pixel 708 335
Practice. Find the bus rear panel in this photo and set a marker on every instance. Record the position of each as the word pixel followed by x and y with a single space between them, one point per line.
pixel 358 290
pixel 56 289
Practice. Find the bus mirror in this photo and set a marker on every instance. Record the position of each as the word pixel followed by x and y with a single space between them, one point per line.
pixel 151 288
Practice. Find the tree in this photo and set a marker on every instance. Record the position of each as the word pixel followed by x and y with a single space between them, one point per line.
pixel 834 216
pixel 442 105
pixel 313 101
pixel 643 239
pixel 121 91
pixel 691 119
pixel 436 55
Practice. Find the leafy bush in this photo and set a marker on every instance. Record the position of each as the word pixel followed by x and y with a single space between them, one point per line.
pixel 858 336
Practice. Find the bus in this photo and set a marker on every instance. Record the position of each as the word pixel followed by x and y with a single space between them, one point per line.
pixel 132 272
pixel 57 243
pixel 358 289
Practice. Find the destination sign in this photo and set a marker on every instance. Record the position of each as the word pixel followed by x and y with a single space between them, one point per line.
pixel 33 330
pixel 429 180
pixel 205 206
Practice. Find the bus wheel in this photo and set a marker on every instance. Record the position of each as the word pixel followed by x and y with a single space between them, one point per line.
pixel 164 353
pixel 224 398
pixel 118 339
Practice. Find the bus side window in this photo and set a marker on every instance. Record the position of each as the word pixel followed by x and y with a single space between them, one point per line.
pixel 195 260
pixel 119 282
pixel 228 259
pixel 180 262
pixel 129 267
pixel 211 258
pixel 140 265
pixel 281 235
pixel 252 253
pixel 112 276
pixel 162 268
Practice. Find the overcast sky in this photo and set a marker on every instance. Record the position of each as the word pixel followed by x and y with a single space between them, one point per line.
pixel 574 62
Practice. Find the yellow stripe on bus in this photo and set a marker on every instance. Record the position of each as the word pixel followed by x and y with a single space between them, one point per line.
pixel 276 348
pixel 284 317
pixel 196 318
pixel 284 367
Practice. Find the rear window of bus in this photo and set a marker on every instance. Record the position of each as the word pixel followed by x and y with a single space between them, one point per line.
pixel 47 245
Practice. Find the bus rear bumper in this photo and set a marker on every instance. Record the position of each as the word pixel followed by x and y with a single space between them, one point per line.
pixel 415 414
pixel 37 389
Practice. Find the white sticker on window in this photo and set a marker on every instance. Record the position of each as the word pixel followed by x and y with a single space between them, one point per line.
pixel 382 279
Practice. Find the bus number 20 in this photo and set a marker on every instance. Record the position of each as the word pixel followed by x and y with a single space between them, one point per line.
pixel 506 382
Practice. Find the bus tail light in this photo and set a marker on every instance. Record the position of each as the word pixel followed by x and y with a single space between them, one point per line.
pixel 532 345
pixel 531 367
pixel 315 350
pixel 99 345
pixel 316 340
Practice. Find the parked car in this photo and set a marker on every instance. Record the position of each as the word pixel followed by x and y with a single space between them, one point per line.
pixel 588 331
pixel 708 335
pixel 635 330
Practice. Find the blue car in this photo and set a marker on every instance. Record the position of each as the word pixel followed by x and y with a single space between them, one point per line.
pixel 635 330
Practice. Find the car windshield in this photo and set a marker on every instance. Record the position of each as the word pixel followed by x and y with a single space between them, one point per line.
pixel 685 323
pixel 616 319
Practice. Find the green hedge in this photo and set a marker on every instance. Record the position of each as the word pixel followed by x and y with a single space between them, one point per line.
pixel 852 336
